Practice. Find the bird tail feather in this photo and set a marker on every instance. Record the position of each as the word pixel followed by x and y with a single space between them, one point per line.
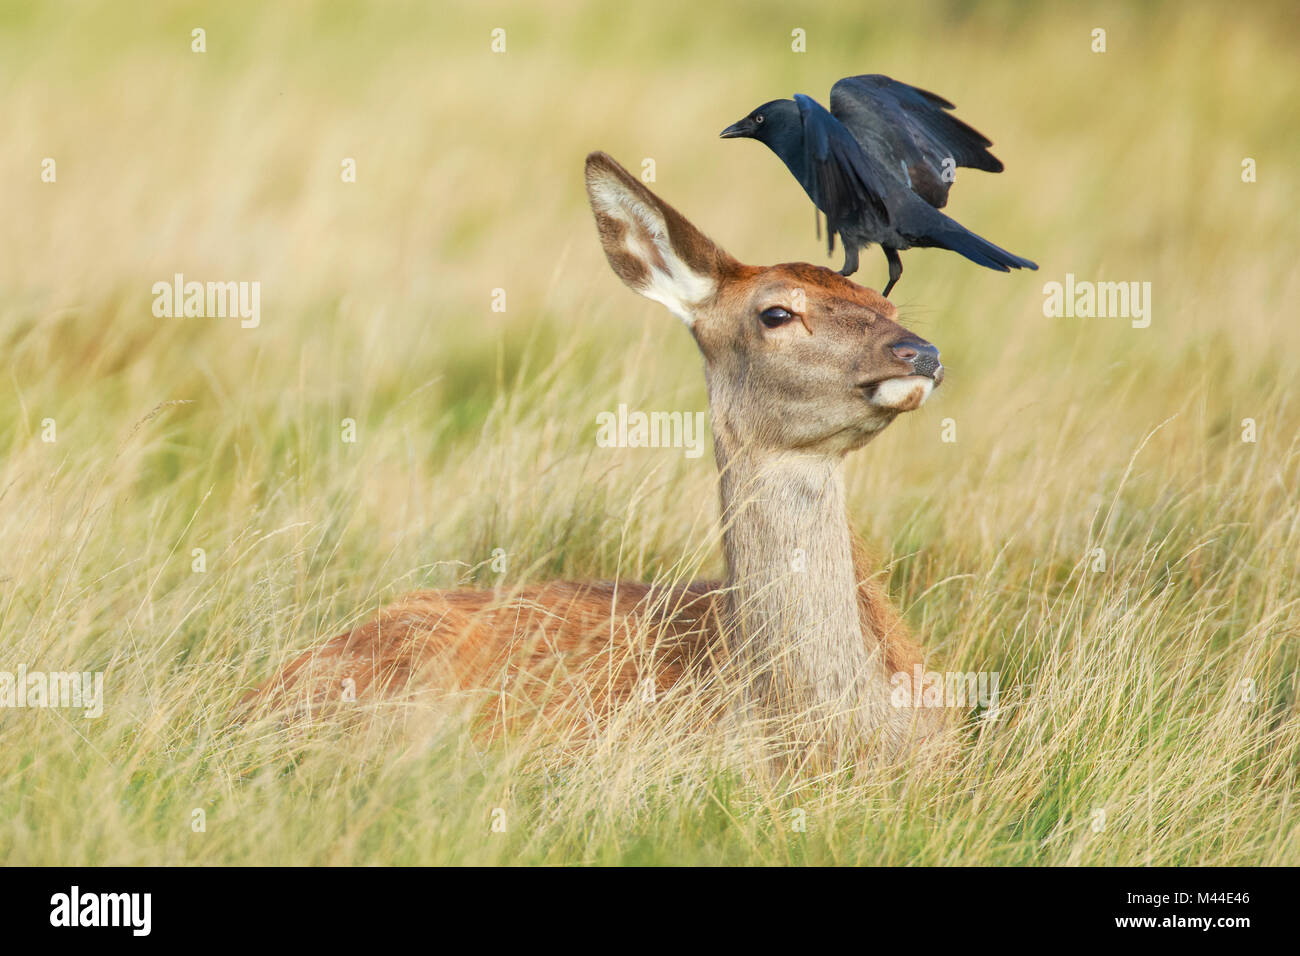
pixel 926 226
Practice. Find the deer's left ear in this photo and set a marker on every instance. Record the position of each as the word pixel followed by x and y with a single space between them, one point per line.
pixel 649 244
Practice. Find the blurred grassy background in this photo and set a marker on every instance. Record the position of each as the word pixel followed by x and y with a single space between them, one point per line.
pixel 476 428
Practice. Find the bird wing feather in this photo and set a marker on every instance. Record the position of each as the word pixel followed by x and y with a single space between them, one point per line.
pixel 910 129
pixel 846 185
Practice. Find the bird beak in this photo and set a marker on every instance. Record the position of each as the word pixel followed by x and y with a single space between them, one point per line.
pixel 744 128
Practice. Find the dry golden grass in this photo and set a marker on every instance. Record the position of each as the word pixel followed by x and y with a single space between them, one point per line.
pixel 1122 689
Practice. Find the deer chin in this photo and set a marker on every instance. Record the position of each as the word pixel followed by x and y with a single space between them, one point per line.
pixel 903 394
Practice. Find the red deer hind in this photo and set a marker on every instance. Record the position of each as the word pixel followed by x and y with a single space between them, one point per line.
pixel 803 367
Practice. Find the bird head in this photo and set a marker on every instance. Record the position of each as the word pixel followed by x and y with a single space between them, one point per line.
pixel 767 123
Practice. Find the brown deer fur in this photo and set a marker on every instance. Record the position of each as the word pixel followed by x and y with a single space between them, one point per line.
pixel 800 626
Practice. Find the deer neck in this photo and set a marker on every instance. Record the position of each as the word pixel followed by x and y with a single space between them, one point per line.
pixel 792 585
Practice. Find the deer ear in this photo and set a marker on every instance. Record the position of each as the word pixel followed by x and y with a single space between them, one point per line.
pixel 649 244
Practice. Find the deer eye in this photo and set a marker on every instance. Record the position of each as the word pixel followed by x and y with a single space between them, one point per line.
pixel 775 317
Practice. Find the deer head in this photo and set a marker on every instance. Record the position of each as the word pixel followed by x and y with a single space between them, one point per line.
pixel 798 358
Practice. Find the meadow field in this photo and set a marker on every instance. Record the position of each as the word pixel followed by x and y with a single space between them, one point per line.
pixel 1104 512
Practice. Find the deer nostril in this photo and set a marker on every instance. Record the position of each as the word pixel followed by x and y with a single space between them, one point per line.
pixel 905 352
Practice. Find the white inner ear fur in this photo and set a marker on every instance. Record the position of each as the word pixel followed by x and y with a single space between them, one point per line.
pixel 680 288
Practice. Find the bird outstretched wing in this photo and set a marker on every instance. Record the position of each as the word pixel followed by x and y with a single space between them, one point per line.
pixel 846 188
pixel 910 130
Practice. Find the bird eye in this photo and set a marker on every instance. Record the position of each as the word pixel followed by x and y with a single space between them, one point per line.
pixel 759 119
pixel 775 317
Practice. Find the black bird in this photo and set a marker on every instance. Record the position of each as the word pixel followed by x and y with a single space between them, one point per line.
pixel 880 165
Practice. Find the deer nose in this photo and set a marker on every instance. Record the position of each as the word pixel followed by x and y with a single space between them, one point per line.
pixel 922 356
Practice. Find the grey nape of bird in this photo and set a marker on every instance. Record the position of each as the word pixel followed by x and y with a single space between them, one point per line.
pixel 879 164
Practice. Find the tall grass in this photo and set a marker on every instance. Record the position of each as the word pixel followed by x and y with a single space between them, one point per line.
pixel 1149 710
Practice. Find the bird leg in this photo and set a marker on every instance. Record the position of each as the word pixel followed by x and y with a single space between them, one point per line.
pixel 850 258
pixel 895 268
